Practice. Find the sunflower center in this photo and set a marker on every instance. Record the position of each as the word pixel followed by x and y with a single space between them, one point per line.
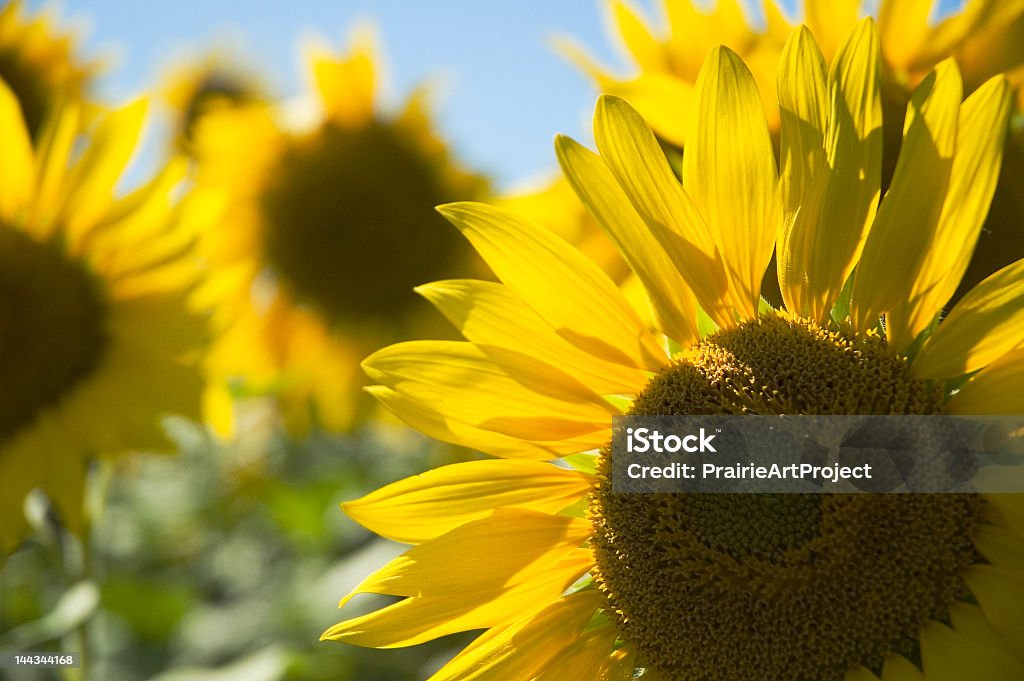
pixel 351 225
pixel 728 587
pixel 52 334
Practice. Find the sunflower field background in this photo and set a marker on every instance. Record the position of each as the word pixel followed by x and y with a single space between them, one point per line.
pixel 211 215
pixel 216 549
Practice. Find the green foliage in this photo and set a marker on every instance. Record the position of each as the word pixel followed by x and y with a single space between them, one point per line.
pixel 224 563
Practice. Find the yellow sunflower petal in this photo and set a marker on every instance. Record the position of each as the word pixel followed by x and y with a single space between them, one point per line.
pixel 519 651
pixel 777 24
pixel 501 390
pixel 838 206
pixel 985 325
pixel 898 668
pixel 803 96
pixel 951 656
pixel 953 34
pixel 903 26
pixel 420 619
pixel 589 311
pixel 17 172
pixel 830 21
pixel 575 53
pixel 909 212
pixel 586 659
pixel 347 86
pixel 55 147
pixel 975 171
pixel 644 48
pixel 632 153
pixel 425 506
pixel 91 185
pixel 999 545
pixel 489 313
pixel 429 421
pixel 662 99
pixel 509 546
pixel 859 674
pixel 996 389
pixel 1000 592
pixel 1009 509
pixel 621 665
pixel 695 29
pixel 970 621
pixel 140 235
pixel 729 155
pixel 673 303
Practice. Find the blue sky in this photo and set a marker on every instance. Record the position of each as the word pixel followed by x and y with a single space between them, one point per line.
pixel 504 92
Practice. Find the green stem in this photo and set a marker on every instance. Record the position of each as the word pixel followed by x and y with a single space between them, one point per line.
pixel 97 485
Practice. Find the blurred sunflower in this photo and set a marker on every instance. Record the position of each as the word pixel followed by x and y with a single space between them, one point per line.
pixel 197 87
pixel 39 65
pixel 571 581
pixel 93 323
pixel 986 37
pixel 319 237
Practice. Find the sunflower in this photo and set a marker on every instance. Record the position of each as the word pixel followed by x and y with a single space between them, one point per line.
pixel 986 37
pixel 318 237
pixel 198 86
pixel 571 581
pixel 39 65
pixel 94 328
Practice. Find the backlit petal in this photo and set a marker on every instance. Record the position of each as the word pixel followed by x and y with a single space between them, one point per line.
pixel 979 150
pixel 425 506
pixel 422 416
pixel 831 221
pixel 909 213
pixel 472 606
pixel 589 311
pixel 519 651
pixel 729 172
pixel 632 153
pixel 803 109
pixel 489 313
pixel 508 392
pixel 586 659
pixel 985 325
pixel 673 303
